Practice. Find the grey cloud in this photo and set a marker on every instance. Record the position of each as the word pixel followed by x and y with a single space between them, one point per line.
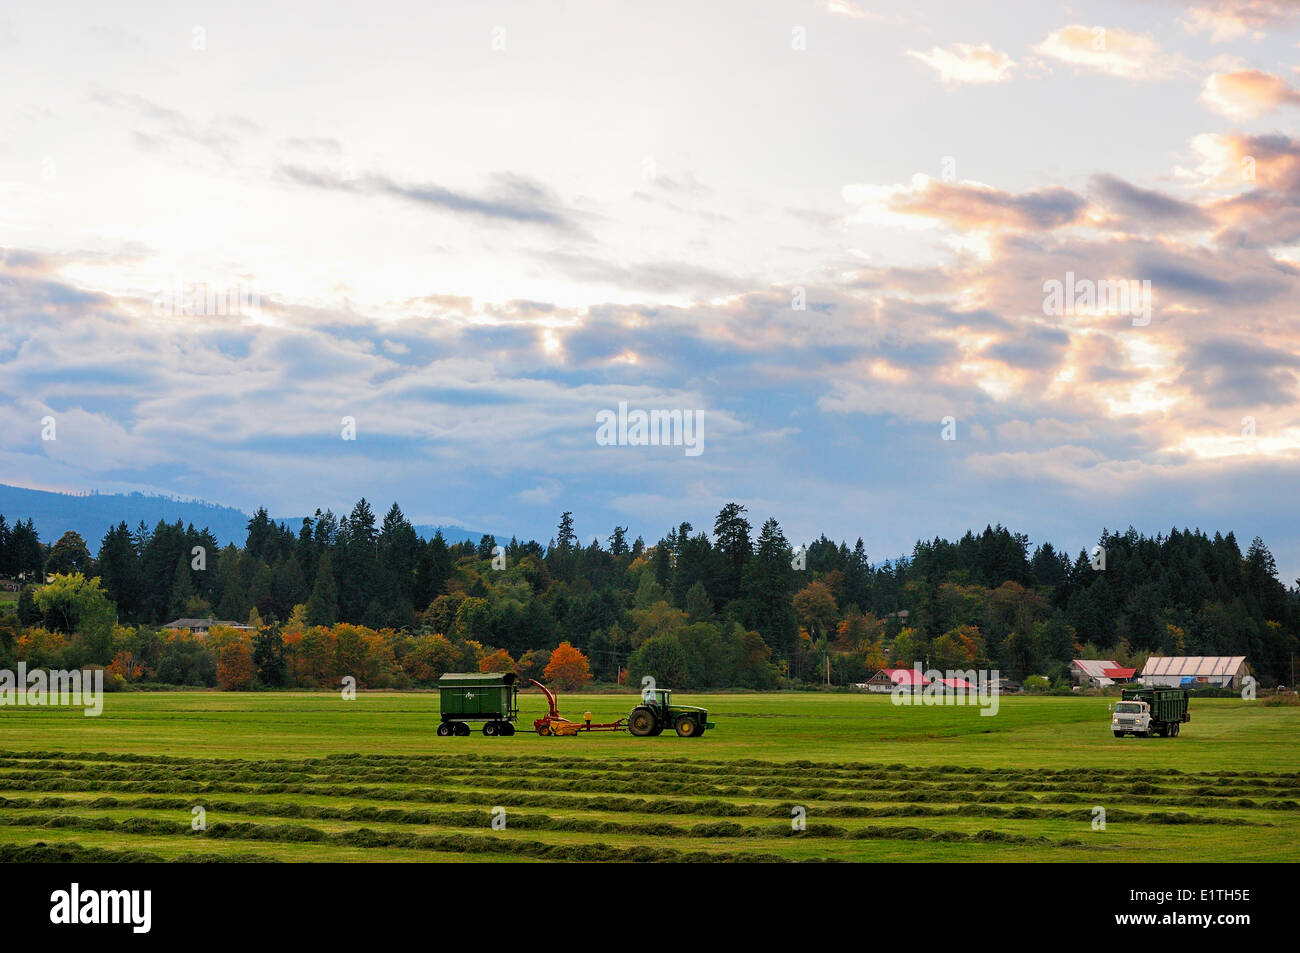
pixel 516 199
pixel 1147 208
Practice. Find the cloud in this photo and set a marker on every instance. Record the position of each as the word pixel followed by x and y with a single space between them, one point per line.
pixel 1248 93
pixel 1227 20
pixel 1111 51
pixel 1238 373
pixel 967 205
pixel 515 199
pixel 1146 209
pixel 964 63
pixel 847 8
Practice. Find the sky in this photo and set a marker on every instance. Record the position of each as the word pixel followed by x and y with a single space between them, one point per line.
pixel 912 268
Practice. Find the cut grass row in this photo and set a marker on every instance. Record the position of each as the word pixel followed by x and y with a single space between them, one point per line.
pixel 1273 796
pixel 483 818
pixel 350 764
pixel 679 802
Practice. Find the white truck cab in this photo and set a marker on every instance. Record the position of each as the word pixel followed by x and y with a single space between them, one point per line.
pixel 1131 718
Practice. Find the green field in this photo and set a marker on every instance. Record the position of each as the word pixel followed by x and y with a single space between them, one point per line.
pixel 308 776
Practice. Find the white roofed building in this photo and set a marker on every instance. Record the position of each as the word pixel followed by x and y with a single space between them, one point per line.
pixel 1223 671
pixel 1090 672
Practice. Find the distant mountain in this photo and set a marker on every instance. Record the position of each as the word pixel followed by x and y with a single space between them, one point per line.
pixel 93 514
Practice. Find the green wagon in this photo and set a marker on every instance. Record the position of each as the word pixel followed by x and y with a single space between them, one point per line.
pixel 489 697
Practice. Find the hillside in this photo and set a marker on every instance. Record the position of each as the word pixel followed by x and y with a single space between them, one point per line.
pixel 93 514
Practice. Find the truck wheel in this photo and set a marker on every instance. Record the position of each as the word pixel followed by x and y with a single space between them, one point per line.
pixel 642 722
pixel 1119 734
pixel 490 729
pixel 1178 730
pixel 686 727
pixel 444 730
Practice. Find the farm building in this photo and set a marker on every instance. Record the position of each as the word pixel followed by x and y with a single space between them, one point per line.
pixel 956 685
pixel 1223 671
pixel 201 626
pixel 887 678
pixel 1094 673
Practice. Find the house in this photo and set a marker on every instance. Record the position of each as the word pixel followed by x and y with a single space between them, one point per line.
pixel 201 626
pixel 957 686
pixel 1120 674
pixel 887 678
pixel 1222 671
pixel 1091 672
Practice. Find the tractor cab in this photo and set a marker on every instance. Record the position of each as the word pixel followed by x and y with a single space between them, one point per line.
pixel 658 697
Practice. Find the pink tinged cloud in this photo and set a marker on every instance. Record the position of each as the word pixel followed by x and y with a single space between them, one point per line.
pixel 1248 93
pixel 1112 51
pixel 963 63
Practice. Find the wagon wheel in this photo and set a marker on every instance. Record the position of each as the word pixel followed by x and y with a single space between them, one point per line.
pixel 444 730
pixel 507 729
pixel 490 729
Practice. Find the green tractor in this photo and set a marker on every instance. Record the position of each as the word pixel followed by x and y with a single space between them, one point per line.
pixel 657 712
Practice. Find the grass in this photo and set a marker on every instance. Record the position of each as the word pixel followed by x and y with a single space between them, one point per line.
pixel 310 777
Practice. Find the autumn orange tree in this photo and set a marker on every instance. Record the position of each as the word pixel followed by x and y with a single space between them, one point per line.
pixel 235 666
pixel 498 661
pixel 568 668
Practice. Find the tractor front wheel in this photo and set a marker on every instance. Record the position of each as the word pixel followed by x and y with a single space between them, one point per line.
pixel 642 722
pixel 687 727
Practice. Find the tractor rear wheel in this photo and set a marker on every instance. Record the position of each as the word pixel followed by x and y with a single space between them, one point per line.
pixel 490 729
pixel 444 730
pixel 642 722
pixel 687 727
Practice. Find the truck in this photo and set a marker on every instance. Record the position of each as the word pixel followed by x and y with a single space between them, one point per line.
pixel 1150 712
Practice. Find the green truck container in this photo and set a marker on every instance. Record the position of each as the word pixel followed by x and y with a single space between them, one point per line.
pixel 489 697
pixel 1150 712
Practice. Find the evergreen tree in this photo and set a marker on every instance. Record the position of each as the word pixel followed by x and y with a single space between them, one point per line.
pixel 323 606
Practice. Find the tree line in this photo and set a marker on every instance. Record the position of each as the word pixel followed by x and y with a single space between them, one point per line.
pixel 727 606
